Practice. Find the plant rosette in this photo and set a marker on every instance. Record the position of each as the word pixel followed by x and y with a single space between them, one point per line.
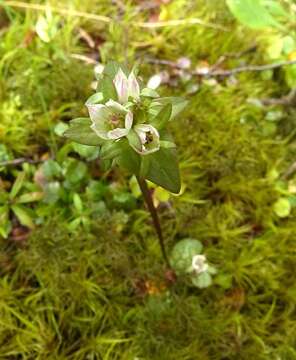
pixel 128 123
pixel 186 259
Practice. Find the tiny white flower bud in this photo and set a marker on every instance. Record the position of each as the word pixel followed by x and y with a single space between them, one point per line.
pixel 199 264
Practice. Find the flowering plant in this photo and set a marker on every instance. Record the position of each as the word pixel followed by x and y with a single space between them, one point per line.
pixel 128 123
pixel 186 259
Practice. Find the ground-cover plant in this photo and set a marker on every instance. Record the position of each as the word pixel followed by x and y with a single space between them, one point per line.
pixel 272 18
pixel 76 289
pixel 14 201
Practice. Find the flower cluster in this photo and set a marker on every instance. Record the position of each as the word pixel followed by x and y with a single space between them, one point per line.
pixel 128 123
pixel 116 119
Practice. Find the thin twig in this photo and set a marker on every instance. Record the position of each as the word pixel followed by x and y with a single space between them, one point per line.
pixel 289 99
pixel 59 10
pixel 83 34
pixel 107 20
pixel 153 212
pixel 289 172
pixel 19 161
pixel 169 63
pixel 84 58
pixel 248 68
pixel 211 71
pixel 232 55
pixel 180 22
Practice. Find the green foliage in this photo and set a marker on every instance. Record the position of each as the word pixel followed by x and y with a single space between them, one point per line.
pixel 14 201
pixel 263 15
pixel 254 13
pixel 88 281
pixel 81 132
pixel 183 253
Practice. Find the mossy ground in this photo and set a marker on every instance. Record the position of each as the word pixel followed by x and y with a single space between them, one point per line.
pixel 102 293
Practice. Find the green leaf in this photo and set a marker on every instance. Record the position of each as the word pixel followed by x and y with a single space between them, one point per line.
pixel 167 144
pixel 5 224
pixel 282 207
pixel 4 215
pixel 202 280
pixel 124 200
pixel 77 203
pixel 19 181
pixel 96 190
pixel 81 132
pixel 23 216
pixel 178 105
pixel 105 165
pixel 110 150
pixel 252 13
pixel 105 81
pixel 164 169
pixel 146 92
pixel 276 9
pixel 128 158
pixel 145 165
pixel 182 254
pixel 60 128
pixel 134 187
pixel 112 68
pixel 52 192
pixel 164 115
pixel 134 139
pixel 107 88
pixel 51 169
pixel 161 195
pixel 224 280
pixel 86 151
pixel 96 98
pixel 30 197
pixel 76 172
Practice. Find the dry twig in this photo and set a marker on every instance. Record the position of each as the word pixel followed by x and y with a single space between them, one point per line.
pixel 19 161
pixel 250 68
pixel 107 20
pixel 289 99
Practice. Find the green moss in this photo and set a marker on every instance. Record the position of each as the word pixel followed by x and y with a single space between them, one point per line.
pixel 102 293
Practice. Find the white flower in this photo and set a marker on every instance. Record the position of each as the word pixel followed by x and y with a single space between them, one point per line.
pixel 126 86
pixel 148 138
pixel 110 121
pixel 199 264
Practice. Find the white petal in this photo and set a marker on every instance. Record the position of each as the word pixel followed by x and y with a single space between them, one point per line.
pixel 128 122
pixel 184 63
pixel 99 68
pixel 117 133
pixel 147 128
pixel 115 105
pixel 154 81
pixel 133 86
pixel 147 148
pixel 199 263
pixel 121 85
pixel 142 136
pixel 98 112
pixel 146 151
pixel 101 133
pixel 99 115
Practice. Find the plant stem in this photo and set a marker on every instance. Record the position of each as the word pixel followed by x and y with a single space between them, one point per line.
pixel 153 212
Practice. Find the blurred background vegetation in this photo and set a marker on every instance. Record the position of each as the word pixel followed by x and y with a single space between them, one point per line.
pixel 81 272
